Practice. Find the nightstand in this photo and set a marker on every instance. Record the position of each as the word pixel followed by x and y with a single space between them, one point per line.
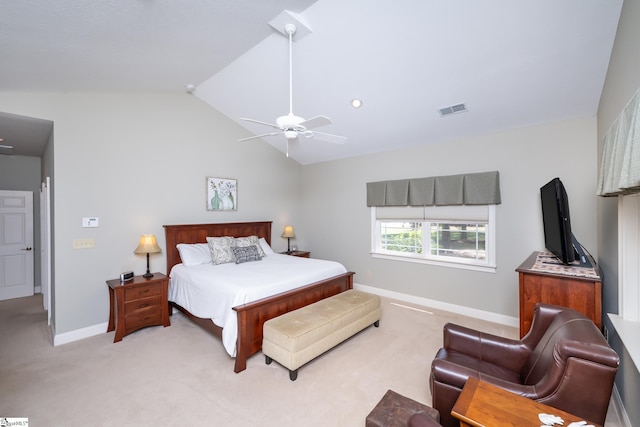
pixel 138 303
pixel 301 254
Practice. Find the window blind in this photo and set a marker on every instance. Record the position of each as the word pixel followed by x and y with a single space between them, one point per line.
pixel 481 188
pixel 620 165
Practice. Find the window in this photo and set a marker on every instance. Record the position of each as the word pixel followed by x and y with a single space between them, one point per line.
pixel 456 236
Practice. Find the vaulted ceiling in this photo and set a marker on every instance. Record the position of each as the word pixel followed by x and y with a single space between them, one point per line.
pixel 511 63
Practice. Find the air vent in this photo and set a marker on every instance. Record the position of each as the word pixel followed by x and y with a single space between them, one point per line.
pixel 454 109
pixel 6 149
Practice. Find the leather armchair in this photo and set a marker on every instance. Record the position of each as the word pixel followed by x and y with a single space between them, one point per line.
pixel 563 361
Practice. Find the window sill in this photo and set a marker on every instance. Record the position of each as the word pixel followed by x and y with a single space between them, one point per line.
pixel 474 267
pixel 628 331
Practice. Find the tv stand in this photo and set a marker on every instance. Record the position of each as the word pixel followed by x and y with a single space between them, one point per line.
pixel 576 287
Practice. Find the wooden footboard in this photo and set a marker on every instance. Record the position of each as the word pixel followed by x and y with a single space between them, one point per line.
pixel 252 316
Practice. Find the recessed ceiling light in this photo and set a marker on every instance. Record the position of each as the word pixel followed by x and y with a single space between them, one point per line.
pixel 356 103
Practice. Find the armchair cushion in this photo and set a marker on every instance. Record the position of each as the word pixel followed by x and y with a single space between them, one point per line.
pixel 564 361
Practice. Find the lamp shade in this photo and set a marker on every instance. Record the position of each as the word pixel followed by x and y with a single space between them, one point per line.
pixel 147 245
pixel 288 232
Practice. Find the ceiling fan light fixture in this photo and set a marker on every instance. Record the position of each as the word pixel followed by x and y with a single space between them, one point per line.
pixel 290 134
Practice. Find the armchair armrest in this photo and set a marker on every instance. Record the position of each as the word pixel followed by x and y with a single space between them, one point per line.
pixel 592 352
pixel 504 352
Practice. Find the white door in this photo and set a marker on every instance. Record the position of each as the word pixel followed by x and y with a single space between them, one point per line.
pixel 16 244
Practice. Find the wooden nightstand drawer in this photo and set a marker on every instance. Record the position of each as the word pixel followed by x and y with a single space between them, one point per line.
pixel 144 304
pixel 142 292
pixel 142 319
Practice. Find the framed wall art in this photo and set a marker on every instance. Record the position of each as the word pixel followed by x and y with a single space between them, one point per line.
pixel 222 194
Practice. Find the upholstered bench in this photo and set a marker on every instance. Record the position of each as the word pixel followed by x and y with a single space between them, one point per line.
pixel 299 336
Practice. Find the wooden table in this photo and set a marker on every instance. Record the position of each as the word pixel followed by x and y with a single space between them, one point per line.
pixel 484 405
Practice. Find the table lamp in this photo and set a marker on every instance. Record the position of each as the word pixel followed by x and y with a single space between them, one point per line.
pixel 288 234
pixel 147 246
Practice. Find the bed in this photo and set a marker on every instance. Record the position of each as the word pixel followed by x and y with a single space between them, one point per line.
pixel 250 316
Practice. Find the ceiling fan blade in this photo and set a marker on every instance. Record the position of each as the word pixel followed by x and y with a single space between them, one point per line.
pixel 260 136
pixel 316 122
pixel 328 137
pixel 260 123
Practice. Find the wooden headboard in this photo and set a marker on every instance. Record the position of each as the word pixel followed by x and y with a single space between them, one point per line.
pixel 198 233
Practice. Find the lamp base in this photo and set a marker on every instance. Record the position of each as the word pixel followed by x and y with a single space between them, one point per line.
pixel 148 273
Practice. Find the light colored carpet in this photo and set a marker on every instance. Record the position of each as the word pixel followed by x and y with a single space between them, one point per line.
pixel 181 376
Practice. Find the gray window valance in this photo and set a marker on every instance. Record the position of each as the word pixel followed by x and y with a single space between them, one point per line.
pixel 467 189
pixel 620 167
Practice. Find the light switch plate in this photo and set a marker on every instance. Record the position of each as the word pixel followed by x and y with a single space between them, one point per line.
pixel 84 243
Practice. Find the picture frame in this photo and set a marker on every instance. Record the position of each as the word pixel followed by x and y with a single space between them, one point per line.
pixel 221 194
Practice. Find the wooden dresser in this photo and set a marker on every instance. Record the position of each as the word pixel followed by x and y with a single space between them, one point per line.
pixel 574 287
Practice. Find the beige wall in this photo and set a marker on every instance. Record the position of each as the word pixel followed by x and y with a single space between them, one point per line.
pixel 337 221
pixel 623 80
pixel 138 161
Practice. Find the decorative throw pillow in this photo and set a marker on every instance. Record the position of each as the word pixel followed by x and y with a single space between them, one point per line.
pixel 220 248
pixel 242 242
pixel 246 254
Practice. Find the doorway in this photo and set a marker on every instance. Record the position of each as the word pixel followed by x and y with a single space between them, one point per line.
pixel 16 244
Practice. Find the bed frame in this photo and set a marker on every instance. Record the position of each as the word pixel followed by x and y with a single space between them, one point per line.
pixel 251 316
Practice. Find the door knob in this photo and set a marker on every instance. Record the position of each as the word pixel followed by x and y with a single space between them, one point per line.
pixel 26 249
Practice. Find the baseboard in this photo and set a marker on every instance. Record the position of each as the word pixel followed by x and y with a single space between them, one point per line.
pixel 78 334
pixel 619 408
pixel 453 308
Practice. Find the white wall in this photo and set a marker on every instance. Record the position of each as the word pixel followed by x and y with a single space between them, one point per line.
pixel 337 221
pixel 138 161
pixel 623 80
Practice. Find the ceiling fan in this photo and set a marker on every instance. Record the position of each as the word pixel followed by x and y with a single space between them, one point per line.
pixel 292 126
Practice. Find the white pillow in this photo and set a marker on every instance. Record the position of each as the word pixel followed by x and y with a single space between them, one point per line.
pixel 265 246
pixel 194 254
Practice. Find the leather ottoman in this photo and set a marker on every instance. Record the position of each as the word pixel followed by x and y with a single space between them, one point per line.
pixel 395 410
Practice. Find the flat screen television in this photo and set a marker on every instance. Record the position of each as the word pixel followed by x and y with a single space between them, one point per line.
pixel 558 238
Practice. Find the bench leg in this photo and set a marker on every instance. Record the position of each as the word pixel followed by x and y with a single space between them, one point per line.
pixel 376 323
pixel 293 375
pixel 268 360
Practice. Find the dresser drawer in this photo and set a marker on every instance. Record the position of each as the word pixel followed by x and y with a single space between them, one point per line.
pixel 143 304
pixel 142 319
pixel 142 292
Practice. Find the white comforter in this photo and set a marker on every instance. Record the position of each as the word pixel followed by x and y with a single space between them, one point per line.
pixel 210 291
